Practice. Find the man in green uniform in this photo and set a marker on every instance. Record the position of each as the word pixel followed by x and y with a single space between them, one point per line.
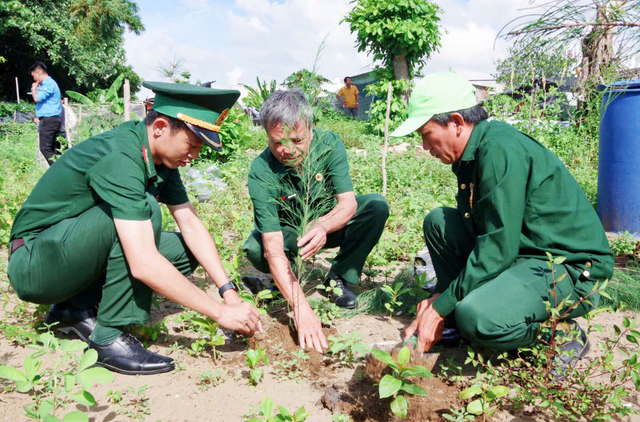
pixel 279 181
pixel 516 202
pixel 90 232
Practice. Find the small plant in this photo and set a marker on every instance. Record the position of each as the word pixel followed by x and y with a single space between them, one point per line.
pixel 138 406
pixel 211 378
pixel 340 417
pixel 625 244
pixel 450 371
pixel 258 300
pixel 67 378
pixel 325 310
pixel 486 395
pixel 210 328
pixel 393 293
pixel 458 415
pixel 283 416
pixel 290 368
pixel 152 331
pixel 391 385
pixel 348 348
pixel 254 357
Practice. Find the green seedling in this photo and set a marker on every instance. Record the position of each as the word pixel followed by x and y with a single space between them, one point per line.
pixel 283 416
pixel 211 378
pixel 152 331
pixel 348 348
pixel 290 368
pixel 258 300
pixel 486 395
pixel 325 310
pixel 254 357
pixel 210 327
pixel 67 378
pixel 393 293
pixel 458 415
pixel 138 406
pixel 391 385
pixel 340 417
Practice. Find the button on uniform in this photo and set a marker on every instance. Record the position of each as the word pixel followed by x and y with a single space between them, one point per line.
pixel 588 265
pixel 463 186
pixel 467 215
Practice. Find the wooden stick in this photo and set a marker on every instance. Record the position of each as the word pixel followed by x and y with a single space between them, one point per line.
pixel 386 143
pixel 127 101
pixel 65 104
pixel 17 90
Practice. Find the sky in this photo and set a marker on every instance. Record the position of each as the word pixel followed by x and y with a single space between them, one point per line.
pixel 235 41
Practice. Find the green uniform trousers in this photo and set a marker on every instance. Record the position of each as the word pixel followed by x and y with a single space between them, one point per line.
pixel 80 261
pixel 355 240
pixel 503 313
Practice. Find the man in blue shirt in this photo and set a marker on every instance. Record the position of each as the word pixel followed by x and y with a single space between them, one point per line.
pixel 46 94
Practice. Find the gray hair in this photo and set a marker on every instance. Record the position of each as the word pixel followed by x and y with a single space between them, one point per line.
pixel 286 107
pixel 473 115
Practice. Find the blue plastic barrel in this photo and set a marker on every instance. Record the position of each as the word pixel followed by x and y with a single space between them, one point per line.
pixel 619 163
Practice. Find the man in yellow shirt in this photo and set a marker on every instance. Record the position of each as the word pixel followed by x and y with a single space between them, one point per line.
pixel 349 94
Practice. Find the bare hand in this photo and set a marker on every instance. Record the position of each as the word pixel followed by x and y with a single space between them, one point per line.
pixel 35 85
pixel 309 329
pixel 231 297
pixel 314 240
pixel 36 120
pixel 357 107
pixel 240 317
pixel 429 325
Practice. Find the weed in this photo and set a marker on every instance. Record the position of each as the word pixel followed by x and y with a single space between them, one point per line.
pixel 348 348
pixel 152 331
pixel 458 415
pixel 138 406
pixel 450 371
pixel 68 378
pixel 625 244
pixel 267 414
pixel 254 357
pixel 211 378
pixel 391 385
pixel 290 368
pixel 486 393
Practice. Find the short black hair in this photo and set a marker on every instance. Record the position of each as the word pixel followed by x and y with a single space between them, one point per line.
pixel 37 65
pixel 345 79
pixel 473 115
pixel 174 123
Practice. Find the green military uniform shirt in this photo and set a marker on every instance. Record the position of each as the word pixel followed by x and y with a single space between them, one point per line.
pixel 107 168
pixel 269 180
pixel 520 201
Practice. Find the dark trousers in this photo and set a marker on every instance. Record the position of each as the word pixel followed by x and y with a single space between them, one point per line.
pixel 80 261
pixel 355 240
pixel 48 130
pixel 503 313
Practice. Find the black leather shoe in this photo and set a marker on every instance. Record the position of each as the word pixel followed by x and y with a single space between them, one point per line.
pixel 80 321
pixel 255 285
pixel 451 337
pixel 127 355
pixel 348 298
pixel 572 350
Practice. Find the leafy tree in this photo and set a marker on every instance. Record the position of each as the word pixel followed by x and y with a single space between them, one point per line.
pixel 526 63
pixel 81 42
pixel 606 31
pixel 400 33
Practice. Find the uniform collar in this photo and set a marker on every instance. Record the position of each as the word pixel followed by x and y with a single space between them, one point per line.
pixel 147 158
pixel 476 135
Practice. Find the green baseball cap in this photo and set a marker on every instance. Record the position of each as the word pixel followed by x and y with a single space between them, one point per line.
pixel 201 109
pixel 441 92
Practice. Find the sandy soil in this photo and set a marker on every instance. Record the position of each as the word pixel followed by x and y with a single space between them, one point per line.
pixel 177 396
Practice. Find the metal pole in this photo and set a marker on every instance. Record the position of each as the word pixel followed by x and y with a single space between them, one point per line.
pixel 17 90
pixel 65 104
pixel 127 101
pixel 386 143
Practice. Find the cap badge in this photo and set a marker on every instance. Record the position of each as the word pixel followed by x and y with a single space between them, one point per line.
pixel 222 116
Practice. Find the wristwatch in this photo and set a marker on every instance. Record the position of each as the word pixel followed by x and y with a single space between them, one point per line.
pixel 226 287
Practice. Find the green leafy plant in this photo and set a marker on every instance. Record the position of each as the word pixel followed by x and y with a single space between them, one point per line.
pixel 213 339
pixel 339 417
pixel 391 385
pixel 486 395
pixel 100 97
pixel 458 415
pixel 625 244
pixel 257 96
pixel 291 368
pixel 66 378
pixel 284 415
pixel 348 348
pixel 393 293
pixel 258 300
pixel 211 378
pixel 138 406
pixel 254 357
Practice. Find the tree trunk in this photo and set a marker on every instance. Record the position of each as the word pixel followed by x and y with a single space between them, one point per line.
pixel 401 71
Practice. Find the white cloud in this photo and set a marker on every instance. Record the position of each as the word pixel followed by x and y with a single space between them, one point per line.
pixel 273 39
